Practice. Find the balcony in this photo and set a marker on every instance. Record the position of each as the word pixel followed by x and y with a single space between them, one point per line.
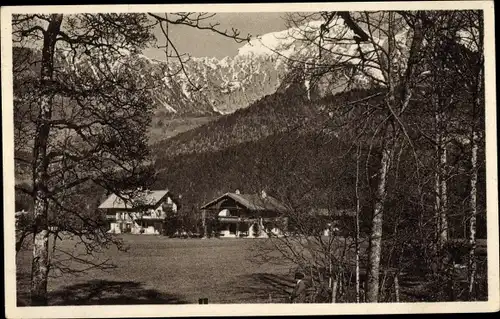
pixel 129 216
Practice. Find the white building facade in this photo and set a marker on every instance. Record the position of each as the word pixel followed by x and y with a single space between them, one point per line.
pixel 143 212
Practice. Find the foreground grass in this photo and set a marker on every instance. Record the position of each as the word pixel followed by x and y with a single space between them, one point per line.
pixel 156 269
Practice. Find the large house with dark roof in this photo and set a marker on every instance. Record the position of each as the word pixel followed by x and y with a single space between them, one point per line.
pixel 246 215
pixel 143 212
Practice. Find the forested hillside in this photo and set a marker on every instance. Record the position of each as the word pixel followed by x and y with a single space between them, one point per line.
pixel 297 150
pixel 284 111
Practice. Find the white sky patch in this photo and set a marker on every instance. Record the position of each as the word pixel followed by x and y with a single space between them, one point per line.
pixel 468 38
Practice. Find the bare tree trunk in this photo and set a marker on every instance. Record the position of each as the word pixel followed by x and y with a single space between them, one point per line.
pixel 334 290
pixel 437 208
pixel 473 214
pixel 357 223
pixel 341 284
pixel 396 286
pixel 441 200
pixel 372 290
pixel 444 198
pixel 40 264
pixel 382 287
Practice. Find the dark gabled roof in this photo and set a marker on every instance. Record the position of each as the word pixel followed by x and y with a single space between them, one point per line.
pixel 143 199
pixel 252 202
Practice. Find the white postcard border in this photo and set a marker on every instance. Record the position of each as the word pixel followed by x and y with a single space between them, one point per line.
pixel 12 311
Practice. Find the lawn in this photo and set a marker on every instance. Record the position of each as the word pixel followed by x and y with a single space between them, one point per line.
pixel 156 269
pixel 160 270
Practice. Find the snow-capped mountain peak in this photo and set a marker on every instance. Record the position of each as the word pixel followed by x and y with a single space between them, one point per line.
pixel 221 86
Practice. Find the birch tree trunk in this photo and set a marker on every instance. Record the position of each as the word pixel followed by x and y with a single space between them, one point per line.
pixel 474 139
pixel 357 223
pixel 375 242
pixel 334 290
pixel 376 229
pixel 473 214
pixel 40 264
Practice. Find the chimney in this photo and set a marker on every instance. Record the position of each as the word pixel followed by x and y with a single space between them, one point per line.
pixel 237 192
pixel 263 194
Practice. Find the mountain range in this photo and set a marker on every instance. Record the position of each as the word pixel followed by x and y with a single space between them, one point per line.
pixel 209 87
pixel 221 86
pixel 194 92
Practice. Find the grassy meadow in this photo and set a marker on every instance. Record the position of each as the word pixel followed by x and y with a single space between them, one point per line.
pixel 160 270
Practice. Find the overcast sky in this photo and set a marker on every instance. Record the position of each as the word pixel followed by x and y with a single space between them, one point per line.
pixel 200 43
